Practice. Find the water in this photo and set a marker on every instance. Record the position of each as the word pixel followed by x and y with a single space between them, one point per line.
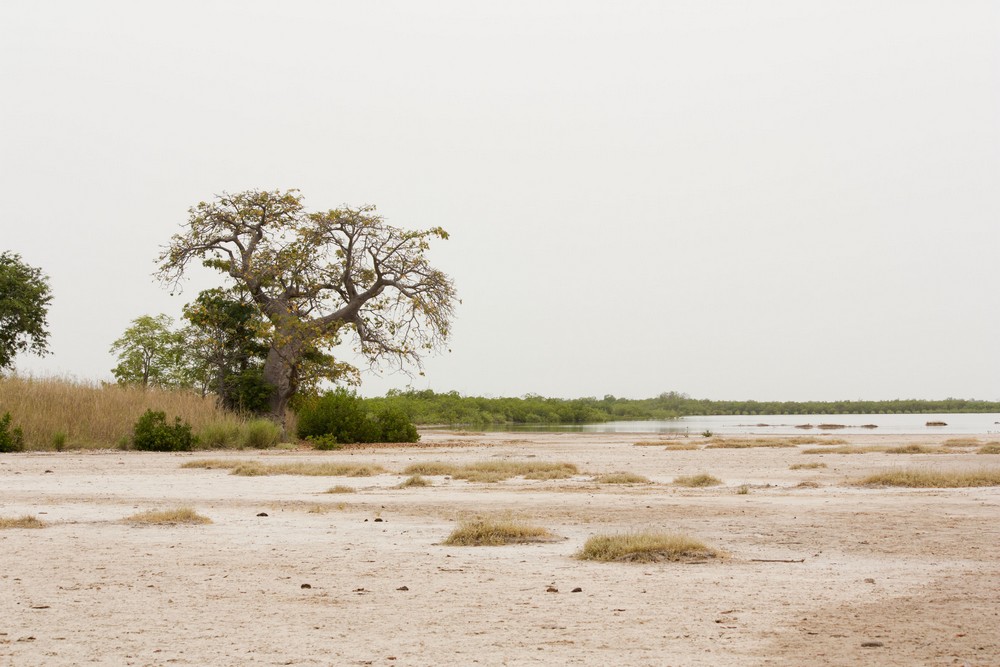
pixel 908 424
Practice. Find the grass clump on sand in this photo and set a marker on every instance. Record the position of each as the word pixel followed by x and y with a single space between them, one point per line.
pixel 244 468
pixel 962 442
pixel 495 471
pixel 742 443
pixel 326 469
pixel 931 479
pixel 26 521
pixel 914 449
pixel 340 488
pixel 681 446
pixel 806 466
pixel 989 448
pixel 697 480
pixel 496 531
pixel 621 478
pixel 645 547
pixel 181 515
pixel 415 480
pixel 846 449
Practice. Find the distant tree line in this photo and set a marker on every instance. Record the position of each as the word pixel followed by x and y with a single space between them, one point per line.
pixel 429 407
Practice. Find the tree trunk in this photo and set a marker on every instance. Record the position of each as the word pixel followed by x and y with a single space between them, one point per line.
pixel 279 372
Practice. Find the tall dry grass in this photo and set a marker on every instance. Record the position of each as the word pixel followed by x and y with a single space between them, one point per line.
pixel 77 414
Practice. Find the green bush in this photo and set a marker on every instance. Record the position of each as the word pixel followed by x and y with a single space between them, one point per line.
pixel 396 426
pixel 340 417
pixel 11 439
pixel 261 434
pixel 152 434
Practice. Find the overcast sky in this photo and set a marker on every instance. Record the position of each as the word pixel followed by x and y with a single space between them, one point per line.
pixel 772 200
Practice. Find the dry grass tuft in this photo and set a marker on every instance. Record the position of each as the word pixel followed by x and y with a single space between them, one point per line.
pixel 496 471
pixel 181 515
pixel 650 443
pixel 621 478
pixel 431 468
pixel 807 485
pixel 914 449
pixel 932 479
pixel 340 488
pixel 681 446
pixel 645 547
pixel 415 480
pixel 26 521
pixel 209 464
pixel 697 480
pixel 962 442
pixel 989 448
pixel 326 469
pixel 743 443
pixel 806 466
pixel 496 531
pixel 823 440
pixel 846 449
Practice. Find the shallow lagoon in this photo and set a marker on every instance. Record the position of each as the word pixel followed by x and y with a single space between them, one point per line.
pixel 898 424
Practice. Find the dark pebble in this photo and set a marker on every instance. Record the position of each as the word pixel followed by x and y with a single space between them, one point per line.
pixel 577 590
pixel 378 520
pixel 305 586
pixel 871 644
pixel 262 514
pixel 403 588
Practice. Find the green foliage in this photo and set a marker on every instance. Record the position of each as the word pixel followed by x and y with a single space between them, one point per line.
pixel 219 435
pixel 152 434
pixel 327 441
pixel 24 306
pixel 226 348
pixel 11 439
pixel 151 354
pixel 429 407
pixel 344 417
pixel 396 426
pixel 59 440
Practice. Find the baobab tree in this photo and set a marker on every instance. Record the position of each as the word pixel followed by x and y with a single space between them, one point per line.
pixel 318 277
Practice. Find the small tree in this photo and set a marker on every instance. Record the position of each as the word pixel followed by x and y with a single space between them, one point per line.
pixel 150 353
pixel 24 305
pixel 315 276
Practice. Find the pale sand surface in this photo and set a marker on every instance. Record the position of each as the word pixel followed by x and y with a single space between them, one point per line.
pixel 915 570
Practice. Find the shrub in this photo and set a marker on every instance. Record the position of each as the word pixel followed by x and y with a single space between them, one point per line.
pixel 621 478
pixel 261 434
pixel 340 417
pixel 59 441
pixel 339 413
pixel 939 479
pixel 11 439
pixel 396 426
pixel 325 442
pixel 152 434
pixel 415 480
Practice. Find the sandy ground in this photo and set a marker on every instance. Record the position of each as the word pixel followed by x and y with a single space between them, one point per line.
pixel 916 572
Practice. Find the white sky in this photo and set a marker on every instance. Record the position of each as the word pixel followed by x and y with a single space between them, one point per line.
pixel 771 200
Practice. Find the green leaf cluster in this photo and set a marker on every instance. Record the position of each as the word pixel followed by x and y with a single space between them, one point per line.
pixel 24 302
pixel 11 439
pixel 341 417
pixel 152 434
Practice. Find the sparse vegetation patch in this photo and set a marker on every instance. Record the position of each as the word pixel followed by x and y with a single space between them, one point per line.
pixel 415 480
pixel 697 480
pixel 989 448
pixel 742 443
pixel 326 469
pixel 645 547
pixel 340 488
pixel 496 471
pixel 26 521
pixel 496 531
pixel 936 479
pixel 807 466
pixel 181 515
pixel 621 478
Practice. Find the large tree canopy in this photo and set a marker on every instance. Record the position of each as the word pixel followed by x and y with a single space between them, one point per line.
pixel 24 306
pixel 316 276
